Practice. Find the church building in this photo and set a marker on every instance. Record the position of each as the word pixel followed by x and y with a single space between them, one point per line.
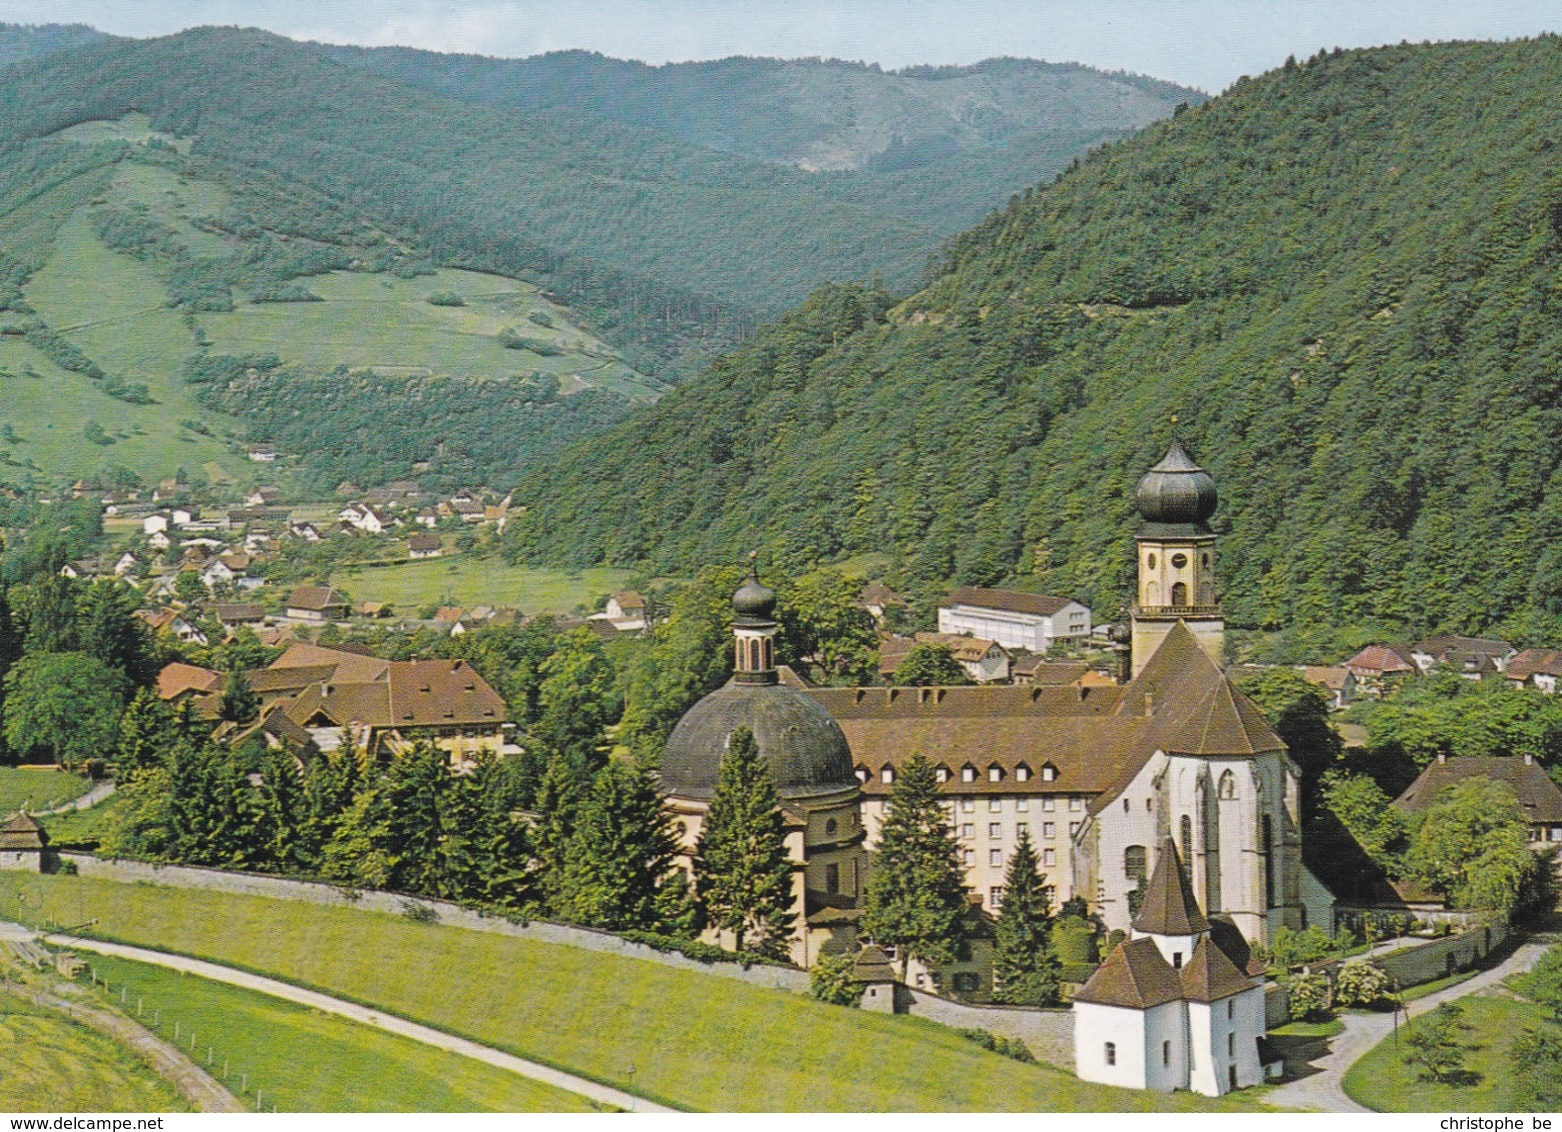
pixel 1096 776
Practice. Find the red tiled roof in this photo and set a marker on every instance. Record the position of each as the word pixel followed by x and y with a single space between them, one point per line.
pixel 1008 600
pixel 177 678
pixel 1538 796
pixel 1383 659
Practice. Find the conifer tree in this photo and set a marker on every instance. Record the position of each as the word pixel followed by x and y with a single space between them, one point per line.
pixel 10 653
pixel 620 854
pixel 145 732
pixel 240 704
pixel 1025 968
pixel 559 798
pixel 743 873
pixel 916 893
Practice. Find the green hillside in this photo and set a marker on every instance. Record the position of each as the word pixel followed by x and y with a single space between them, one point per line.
pixel 160 309
pixel 1341 280
pixel 33 41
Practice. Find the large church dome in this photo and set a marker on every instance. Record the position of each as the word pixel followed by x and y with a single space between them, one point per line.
pixel 803 744
pixel 1176 490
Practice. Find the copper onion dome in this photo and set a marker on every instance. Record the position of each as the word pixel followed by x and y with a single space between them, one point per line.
pixel 1176 490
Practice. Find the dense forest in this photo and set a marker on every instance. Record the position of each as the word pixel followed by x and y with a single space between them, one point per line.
pixel 1337 282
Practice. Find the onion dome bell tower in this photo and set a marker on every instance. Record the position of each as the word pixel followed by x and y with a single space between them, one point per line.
pixel 1176 557
pixel 754 632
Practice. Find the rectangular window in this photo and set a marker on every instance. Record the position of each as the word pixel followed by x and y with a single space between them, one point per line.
pixel 968 805
pixel 995 896
pixel 1073 828
pixel 832 878
pixel 994 830
pixel 1049 857
pixel 1049 830
pixel 1111 1053
pixel 1048 805
pixel 1076 804
pixel 968 830
pixel 1022 804
pixel 1165 1053
pixel 995 858
pixel 1231 1044
pixel 1021 828
pixel 970 858
pixel 995 805
pixel 1556 833
pixel 1231 1008
pixel 1177 960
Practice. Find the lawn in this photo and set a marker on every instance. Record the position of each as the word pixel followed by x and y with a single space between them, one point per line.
pixel 306 1061
pixel 38 788
pixel 695 1040
pixel 1381 1080
pixel 82 828
pixel 466 581
pixel 52 1064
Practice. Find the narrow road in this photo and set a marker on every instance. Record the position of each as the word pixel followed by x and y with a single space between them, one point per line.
pixel 91 798
pixel 1322 1091
pixel 602 1094
pixel 195 1085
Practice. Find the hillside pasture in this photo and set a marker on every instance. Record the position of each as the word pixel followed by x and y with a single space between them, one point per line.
pixel 696 1040
pixel 37 788
pixel 309 1061
pixel 468 581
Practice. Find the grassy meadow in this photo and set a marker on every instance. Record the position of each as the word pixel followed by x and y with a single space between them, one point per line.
pixel 468 581
pixel 308 1061
pixel 48 1063
pixel 696 1040
pixel 1382 1081
pixel 38 788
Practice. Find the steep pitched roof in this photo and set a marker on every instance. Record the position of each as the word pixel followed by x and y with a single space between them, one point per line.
pixel 21 832
pixel 177 678
pixel 960 646
pixel 1209 975
pixel 1546 662
pixel 428 693
pixel 1538 796
pixel 1135 975
pixel 1169 907
pixel 1039 605
pixel 1383 659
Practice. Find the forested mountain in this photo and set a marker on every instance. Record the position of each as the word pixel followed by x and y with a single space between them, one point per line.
pixel 940 145
pixel 1338 283
pixel 34 41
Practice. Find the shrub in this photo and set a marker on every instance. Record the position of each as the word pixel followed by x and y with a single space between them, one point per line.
pixel 419 913
pixel 1361 984
pixel 830 981
pixel 1308 997
pixel 446 299
pixel 1008 1047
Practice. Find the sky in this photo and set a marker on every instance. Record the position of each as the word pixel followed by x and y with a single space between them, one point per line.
pixel 1203 43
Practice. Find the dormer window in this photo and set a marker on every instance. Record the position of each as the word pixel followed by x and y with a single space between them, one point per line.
pixel 968 773
pixel 887 775
pixel 1022 773
pixel 1049 773
pixel 862 775
pixel 942 774
pixel 995 774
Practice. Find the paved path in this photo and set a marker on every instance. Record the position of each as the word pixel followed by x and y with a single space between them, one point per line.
pixel 602 1094
pixel 196 1085
pixel 1322 1091
pixel 91 798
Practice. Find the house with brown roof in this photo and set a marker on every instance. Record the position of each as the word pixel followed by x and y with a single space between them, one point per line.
pixel 1536 668
pixel 425 544
pixel 878 599
pixel 173 623
pixel 1379 668
pixel 1031 670
pixel 1467 655
pixel 318 604
pixel 1014 620
pixel 984 661
pixel 23 844
pixel 1538 796
pixel 626 610
pixel 1171 1008
pixel 180 679
pixel 1335 680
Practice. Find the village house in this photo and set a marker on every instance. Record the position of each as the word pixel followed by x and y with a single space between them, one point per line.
pixel 427 517
pixel 1033 622
pixel 1031 670
pixel 984 661
pixel 366 517
pixel 153 524
pixel 232 614
pixel 1337 682
pixel 1536 668
pixel 1177 1005
pixel 1539 797
pixel 128 563
pixel 1380 668
pixel 178 679
pixel 262 453
pixel 262 497
pixel 425 545
pixel 306 531
pixel 626 609
pixel 318 604
pixel 878 599
pixel 173 623
pixel 159 540
pixel 1470 656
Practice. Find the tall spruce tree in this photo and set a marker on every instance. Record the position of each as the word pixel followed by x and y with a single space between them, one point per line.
pixel 146 731
pixel 10 653
pixel 742 871
pixel 559 798
pixel 620 855
pixel 916 897
pixel 1025 968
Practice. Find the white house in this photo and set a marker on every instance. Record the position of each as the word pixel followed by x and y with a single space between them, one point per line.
pixel 984 661
pixel 127 562
pixel 626 610
pixel 153 524
pixel 159 540
pixel 1536 668
pixel 425 545
pixel 1175 1006
pixel 1018 621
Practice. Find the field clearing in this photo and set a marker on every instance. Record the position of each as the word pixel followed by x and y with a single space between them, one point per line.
pixel 38 787
pixel 174 200
pixel 695 1040
pixel 466 581
pixel 52 1064
pixel 1382 1081
pixel 309 1061
pixel 114 310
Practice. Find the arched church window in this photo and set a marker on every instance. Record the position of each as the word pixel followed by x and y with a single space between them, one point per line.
pixel 1187 841
pixel 753 654
pixel 1228 785
pixel 1135 863
pixel 1179 593
pixel 1152 593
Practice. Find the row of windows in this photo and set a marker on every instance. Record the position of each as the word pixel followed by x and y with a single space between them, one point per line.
pixel 1049 857
pixel 995 773
pixel 1049 832
pixel 1021 805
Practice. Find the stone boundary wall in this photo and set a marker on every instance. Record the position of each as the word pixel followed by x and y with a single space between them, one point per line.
pixel 1441 957
pixel 1049 1034
pixel 313 892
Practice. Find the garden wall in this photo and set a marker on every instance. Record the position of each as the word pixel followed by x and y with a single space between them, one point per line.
pixel 1049 1034
pixel 1442 957
pixel 311 892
